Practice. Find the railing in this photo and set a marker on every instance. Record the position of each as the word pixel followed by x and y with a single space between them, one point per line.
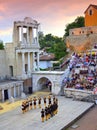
pixel 28 46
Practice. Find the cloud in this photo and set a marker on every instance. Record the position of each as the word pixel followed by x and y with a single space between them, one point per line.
pixel 53 15
pixel 6 31
pixel 6 35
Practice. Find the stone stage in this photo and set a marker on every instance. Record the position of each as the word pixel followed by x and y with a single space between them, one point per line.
pixel 68 111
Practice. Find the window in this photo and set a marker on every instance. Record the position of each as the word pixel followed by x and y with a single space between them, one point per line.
pixel 90 12
pixel 72 33
pixel 11 70
pixel 91 32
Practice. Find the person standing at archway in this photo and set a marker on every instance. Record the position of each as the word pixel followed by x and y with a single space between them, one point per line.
pixel 49 86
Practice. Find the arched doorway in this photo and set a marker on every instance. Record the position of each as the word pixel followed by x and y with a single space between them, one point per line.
pixel 44 84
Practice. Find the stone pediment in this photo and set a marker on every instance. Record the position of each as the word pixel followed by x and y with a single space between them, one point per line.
pixel 30 20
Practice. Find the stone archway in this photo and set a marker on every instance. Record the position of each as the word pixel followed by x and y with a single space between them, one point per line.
pixel 55 77
pixel 44 83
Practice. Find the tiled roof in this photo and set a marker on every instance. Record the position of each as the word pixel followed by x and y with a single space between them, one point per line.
pixel 95 6
pixel 47 57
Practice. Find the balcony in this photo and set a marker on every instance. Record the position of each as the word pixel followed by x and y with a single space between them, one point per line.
pixel 34 45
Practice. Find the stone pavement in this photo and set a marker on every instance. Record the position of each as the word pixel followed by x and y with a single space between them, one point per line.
pixel 68 111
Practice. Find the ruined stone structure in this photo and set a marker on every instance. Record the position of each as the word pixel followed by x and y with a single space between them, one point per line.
pixel 40 79
pixel 18 58
pixel 24 49
pixel 10 89
pixel 18 70
pixel 81 39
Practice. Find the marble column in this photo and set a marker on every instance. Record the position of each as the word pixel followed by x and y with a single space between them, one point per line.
pixel 2 95
pixel 16 63
pixel 18 90
pixel 22 34
pixel 27 35
pixel 21 88
pixel 14 91
pixel 33 62
pixel 32 36
pixel 23 63
pixel 29 70
pixel 38 61
pixel 37 34
pixel 9 93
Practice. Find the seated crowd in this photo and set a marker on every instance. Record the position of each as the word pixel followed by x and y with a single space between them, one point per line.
pixel 86 77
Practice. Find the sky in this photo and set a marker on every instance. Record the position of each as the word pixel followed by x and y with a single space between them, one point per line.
pixel 53 15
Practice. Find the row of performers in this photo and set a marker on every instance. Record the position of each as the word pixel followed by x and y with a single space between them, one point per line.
pixel 49 111
pixel 28 104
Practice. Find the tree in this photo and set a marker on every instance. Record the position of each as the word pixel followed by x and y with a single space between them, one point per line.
pixel 49 40
pixel 53 44
pixel 79 22
pixel 1 45
pixel 40 35
pixel 60 50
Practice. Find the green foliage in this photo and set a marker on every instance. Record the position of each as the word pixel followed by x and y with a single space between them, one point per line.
pixel 42 69
pixel 79 22
pixel 56 64
pixel 1 45
pixel 53 44
pixel 48 40
pixel 60 50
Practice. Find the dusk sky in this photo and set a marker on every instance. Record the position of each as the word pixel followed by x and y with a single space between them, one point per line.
pixel 53 15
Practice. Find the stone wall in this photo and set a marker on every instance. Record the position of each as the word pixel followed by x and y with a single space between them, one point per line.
pixel 76 93
pixel 83 30
pixel 10 89
pixel 10 57
pixel 81 42
pixel 3 65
